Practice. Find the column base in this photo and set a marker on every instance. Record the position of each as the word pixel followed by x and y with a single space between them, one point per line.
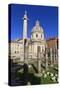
pixel 38 74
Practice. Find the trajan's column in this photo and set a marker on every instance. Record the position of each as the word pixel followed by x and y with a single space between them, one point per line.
pixel 25 43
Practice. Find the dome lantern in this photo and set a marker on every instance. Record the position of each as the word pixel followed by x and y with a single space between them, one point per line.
pixel 37 23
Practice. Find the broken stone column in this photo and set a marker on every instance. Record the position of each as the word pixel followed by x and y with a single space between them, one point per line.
pixel 39 60
pixel 39 66
pixel 51 56
pixel 56 53
pixel 54 56
pixel 46 57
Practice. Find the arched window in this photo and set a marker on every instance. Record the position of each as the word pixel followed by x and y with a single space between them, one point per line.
pixel 15 51
pixel 36 35
pixel 18 44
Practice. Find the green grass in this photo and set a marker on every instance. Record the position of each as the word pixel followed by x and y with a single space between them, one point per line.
pixel 46 80
pixel 34 80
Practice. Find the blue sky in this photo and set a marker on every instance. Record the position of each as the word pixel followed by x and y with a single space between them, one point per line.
pixel 47 16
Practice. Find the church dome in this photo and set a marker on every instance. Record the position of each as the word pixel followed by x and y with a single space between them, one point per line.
pixel 37 28
pixel 37 32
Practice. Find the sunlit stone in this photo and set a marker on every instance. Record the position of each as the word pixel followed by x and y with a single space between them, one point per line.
pixel 48 73
pixel 45 75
